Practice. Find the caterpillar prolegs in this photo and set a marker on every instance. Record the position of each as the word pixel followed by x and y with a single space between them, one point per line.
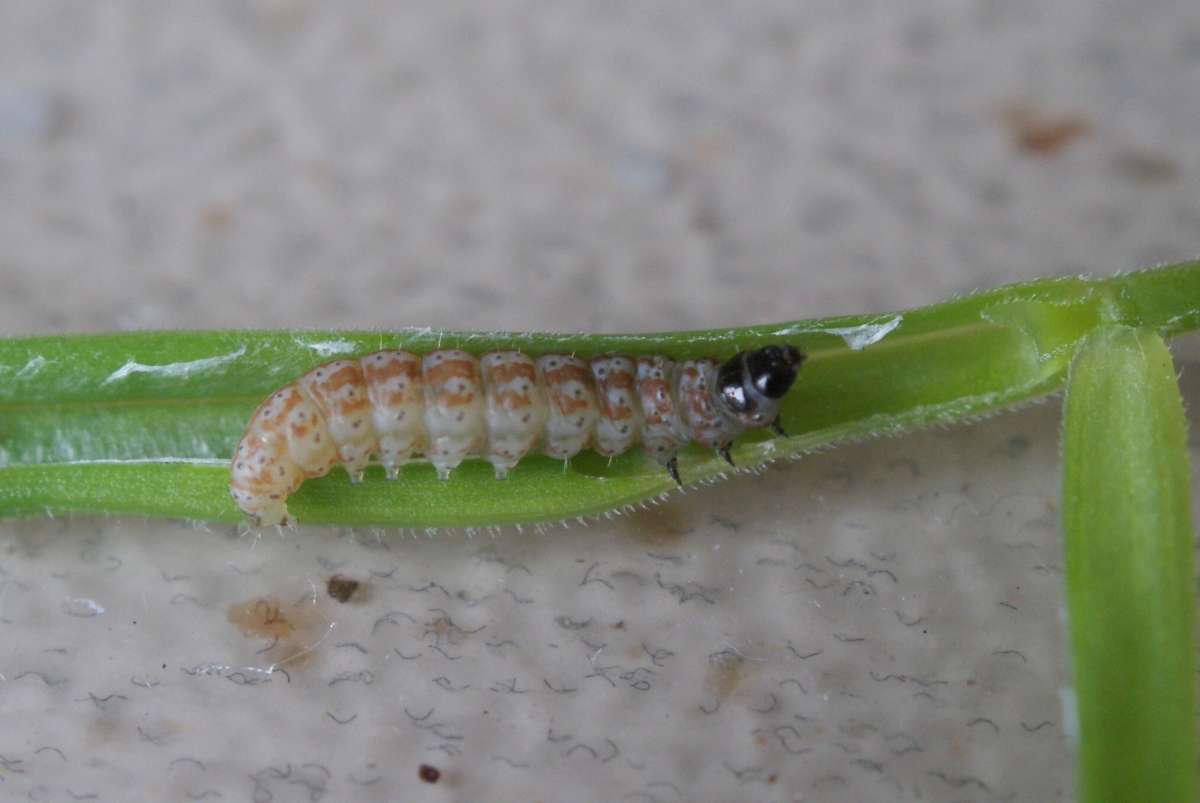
pixel 448 405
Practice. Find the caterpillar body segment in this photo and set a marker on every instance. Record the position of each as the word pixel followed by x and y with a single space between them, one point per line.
pixel 339 393
pixel 286 441
pixel 454 405
pixel 516 407
pixel 702 417
pixel 448 406
pixel 573 407
pixel 663 433
pixel 620 423
pixel 397 394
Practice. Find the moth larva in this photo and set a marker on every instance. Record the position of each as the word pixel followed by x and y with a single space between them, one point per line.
pixel 448 406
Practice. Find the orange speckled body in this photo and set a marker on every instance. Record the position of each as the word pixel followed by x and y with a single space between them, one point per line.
pixel 339 392
pixel 285 442
pixel 620 421
pixel 662 433
pixel 573 409
pixel 397 394
pixel 453 408
pixel 516 408
pixel 448 405
pixel 698 410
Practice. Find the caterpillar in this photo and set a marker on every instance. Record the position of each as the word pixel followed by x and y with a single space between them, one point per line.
pixel 448 405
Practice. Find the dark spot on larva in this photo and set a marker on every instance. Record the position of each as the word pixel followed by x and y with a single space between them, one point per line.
pixel 343 589
pixel 429 773
pixel 261 459
pixel 553 363
pixel 460 416
pixel 623 429
pixel 578 392
pixel 400 416
pixel 579 422
pixel 356 424
pixel 320 374
pixel 282 471
pixel 241 465
pixel 273 496
pixel 525 418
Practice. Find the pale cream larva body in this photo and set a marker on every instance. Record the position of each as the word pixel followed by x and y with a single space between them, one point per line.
pixel 448 406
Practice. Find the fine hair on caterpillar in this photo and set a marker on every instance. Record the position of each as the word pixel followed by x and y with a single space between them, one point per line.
pixel 448 405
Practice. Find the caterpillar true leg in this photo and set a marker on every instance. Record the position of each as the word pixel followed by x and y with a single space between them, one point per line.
pixel 672 467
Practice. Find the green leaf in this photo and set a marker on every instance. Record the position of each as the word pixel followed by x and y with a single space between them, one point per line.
pixel 1130 593
pixel 144 423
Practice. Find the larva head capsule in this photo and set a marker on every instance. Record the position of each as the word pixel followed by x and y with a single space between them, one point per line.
pixel 751 383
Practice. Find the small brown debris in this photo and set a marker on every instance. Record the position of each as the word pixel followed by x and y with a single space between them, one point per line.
pixel 343 588
pixel 724 673
pixel 1146 167
pixel 293 629
pixel 217 217
pixel 262 617
pixel 659 525
pixel 429 773
pixel 1039 132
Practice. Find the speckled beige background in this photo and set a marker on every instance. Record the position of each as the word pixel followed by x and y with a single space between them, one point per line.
pixel 880 622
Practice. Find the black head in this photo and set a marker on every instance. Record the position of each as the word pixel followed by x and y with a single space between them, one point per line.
pixel 750 384
pixel 772 370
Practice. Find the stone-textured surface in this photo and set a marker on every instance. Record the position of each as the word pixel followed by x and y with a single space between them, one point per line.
pixel 879 622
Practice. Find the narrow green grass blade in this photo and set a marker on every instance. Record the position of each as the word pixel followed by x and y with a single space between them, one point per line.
pixel 143 422
pixel 1128 528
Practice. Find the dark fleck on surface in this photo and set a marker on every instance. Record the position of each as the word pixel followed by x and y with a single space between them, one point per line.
pixel 429 774
pixel 342 588
pixel 1037 131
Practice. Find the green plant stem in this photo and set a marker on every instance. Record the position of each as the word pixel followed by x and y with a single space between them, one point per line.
pixel 143 423
pixel 1130 583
